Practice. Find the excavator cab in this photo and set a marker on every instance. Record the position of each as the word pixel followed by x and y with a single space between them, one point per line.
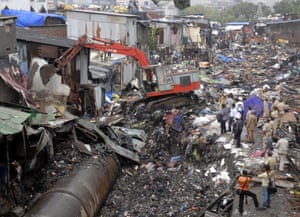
pixel 171 79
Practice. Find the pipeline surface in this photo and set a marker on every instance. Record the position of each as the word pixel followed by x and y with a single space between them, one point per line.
pixel 82 193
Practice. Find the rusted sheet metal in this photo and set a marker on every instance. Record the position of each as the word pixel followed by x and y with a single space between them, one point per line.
pixel 80 194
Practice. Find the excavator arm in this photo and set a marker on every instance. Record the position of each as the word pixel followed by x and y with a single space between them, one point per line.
pixel 102 45
pixel 116 47
pixel 109 46
pixel 69 54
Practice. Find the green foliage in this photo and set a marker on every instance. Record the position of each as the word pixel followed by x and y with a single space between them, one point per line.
pixel 287 7
pixel 241 11
pixel 266 11
pixel 152 38
pixel 211 13
pixel 182 4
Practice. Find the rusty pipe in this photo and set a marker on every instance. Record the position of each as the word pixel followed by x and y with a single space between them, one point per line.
pixel 81 194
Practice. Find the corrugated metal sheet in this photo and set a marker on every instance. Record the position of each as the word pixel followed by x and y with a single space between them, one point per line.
pixel 119 27
pixel 11 120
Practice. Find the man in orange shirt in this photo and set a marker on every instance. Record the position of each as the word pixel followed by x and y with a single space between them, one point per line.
pixel 244 181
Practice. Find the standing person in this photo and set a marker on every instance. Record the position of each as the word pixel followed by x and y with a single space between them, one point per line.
pixel 281 110
pixel 244 181
pixel 265 184
pixel 282 147
pixel 225 117
pixel 266 133
pixel 222 100
pixel 229 101
pixel 249 110
pixel 237 129
pixel 275 103
pixel 275 120
pixel 266 108
pixel 272 162
pixel 233 113
pixel 251 125
pixel 240 107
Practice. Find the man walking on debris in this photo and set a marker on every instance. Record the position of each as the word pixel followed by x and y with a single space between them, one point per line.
pixel 244 181
pixel 222 100
pixel 240 107
pixel 266 133
pixel 237 129
pixel 266 108
pixel 251 125
pixel 271 161
pixel 233 113
pixel 265 183
pixel 282 147
pixel 225 117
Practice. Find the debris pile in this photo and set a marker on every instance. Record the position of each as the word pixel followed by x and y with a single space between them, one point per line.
pixel 173 162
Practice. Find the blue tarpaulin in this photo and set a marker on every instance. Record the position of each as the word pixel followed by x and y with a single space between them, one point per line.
pixel 257 104
pixel 227 59
pixel 29 18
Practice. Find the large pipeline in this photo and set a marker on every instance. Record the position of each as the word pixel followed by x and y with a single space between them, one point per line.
pixel 81 194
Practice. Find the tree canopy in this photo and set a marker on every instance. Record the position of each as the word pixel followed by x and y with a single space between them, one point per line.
pixel 287 7
pixel 241 11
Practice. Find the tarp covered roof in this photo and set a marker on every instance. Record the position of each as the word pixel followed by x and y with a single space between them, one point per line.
pixel 29 18
pixel 256 103
pixel 11 120
pixel 234 26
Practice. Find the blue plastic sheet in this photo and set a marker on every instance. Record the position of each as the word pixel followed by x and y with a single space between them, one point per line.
pixel 29 18
pixel 257 104
pixel 227 59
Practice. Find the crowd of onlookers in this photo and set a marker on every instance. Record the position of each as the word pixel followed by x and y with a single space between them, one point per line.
pixel 274 148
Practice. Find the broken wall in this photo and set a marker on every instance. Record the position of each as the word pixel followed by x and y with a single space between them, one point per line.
pixel 287 30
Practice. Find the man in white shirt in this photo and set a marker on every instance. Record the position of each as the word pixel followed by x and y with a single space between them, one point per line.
pixel 233 113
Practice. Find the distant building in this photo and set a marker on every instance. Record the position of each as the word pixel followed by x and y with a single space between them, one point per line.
pixel 226 3
pixel 36 5
pixel 140 3
pixel 217 3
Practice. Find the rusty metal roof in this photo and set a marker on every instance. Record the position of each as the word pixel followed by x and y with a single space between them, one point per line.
pixel 11 120
pixel 34 36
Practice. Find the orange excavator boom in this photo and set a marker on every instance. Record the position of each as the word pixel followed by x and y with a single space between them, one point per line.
pixel 102 45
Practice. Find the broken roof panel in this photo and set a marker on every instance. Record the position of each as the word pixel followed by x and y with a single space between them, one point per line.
pixel 33 36
pixel 11 120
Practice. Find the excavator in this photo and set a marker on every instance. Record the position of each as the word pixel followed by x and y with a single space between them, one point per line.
pixel 250 37
pixel 164 86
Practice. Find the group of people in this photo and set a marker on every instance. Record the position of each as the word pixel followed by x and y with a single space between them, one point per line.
pixel 232 119
pixel 231 110
pixel 275 158
pixel 275 152
pixel 244 181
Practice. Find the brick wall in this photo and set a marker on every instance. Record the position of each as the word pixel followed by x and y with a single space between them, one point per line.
pixel 55 30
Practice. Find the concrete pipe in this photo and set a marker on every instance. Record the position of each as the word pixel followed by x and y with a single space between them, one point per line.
pixel 81 194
